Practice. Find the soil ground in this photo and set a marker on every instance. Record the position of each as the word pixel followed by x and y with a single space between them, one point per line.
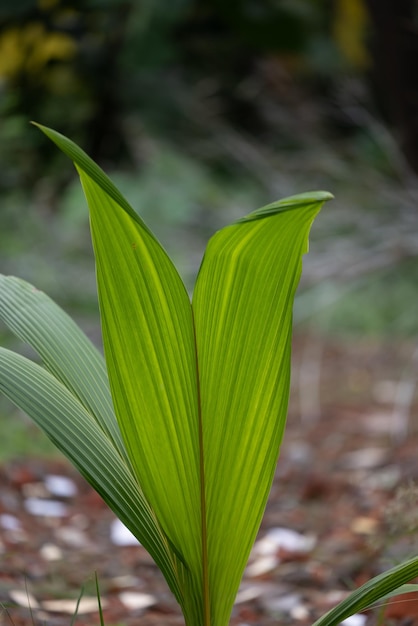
pixel 345 486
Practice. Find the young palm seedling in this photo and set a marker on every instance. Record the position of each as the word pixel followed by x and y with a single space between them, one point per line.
pixel 179 429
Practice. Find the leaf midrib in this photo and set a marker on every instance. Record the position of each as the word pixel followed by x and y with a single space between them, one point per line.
pixel 205 568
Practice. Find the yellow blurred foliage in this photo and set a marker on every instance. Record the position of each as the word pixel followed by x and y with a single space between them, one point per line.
pixel 28 49
pixel 45 5
pixel 350 28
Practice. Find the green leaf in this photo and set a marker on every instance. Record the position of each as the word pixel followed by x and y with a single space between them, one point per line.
pixel 76 433
pixel 64 349
pixel 149 347
pixel 200 396
pixel 403 589
pixel 77 606
pixel 377 588
pixel 243 316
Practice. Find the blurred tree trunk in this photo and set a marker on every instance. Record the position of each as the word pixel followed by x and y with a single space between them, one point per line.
pixel 395 72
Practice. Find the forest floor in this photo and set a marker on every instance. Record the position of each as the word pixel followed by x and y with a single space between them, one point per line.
pixel 343 508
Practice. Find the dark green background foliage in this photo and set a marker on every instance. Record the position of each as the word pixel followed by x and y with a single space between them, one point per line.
pixel 203 110
pixel 179 68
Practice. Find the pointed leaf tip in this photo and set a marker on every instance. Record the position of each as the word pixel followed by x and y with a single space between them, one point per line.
pixel 84 163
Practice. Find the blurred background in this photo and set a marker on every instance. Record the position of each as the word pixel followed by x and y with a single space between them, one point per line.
pixel 202 111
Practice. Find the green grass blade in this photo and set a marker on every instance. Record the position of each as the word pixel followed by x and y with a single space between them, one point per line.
pixel 243 314
pixel 99 600
pixel 77 606
pixel 382 586
pixel 29 602
pixel 150 356
pixel 74 431
pixel 65 350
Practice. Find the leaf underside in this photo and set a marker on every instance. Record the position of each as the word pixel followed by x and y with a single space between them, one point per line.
pixel 78 436
pixel 64 349
pixel 70 401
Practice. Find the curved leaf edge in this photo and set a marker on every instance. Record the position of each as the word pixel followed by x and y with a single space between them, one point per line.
pixel 380 587
pixel 298 201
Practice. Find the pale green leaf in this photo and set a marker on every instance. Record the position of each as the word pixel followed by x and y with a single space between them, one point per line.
pixel 64 349
pixel 381 587
pixel 149 347
pixel 76 433
pixel 243 317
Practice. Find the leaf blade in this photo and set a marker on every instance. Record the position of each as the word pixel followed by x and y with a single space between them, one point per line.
pixel 243 311
pixel 149 347
pixel 382 586
pixel 64 349
pixel 65 421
